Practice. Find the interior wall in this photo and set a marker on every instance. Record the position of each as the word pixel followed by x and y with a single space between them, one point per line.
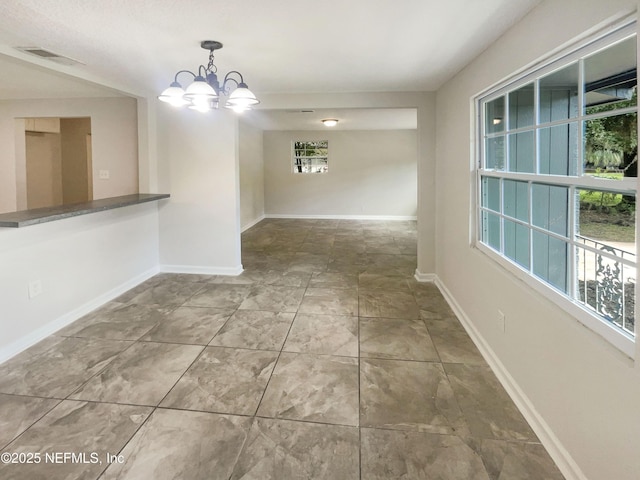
pixel 81 262
pixel 43 169
pixel 115 142
pixel 76 171
pixel 251 175
pixel 425 104
pixel 584 393
pixel 198 166
pixel 371 173
pixel 114 147
pixel 427 185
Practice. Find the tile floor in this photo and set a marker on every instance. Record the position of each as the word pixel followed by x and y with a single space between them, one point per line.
pixel 325 359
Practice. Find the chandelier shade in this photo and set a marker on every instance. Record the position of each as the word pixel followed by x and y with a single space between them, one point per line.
pixel 242 97
pixel 199 89
pixel 173 95
pixel 205 90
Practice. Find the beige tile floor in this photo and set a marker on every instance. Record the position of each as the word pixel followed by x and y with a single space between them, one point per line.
pixel 325 359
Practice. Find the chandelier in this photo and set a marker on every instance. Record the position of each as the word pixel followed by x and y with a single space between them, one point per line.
pixel 203 94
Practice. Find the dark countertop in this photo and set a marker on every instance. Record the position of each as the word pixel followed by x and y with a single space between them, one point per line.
pixel 35 216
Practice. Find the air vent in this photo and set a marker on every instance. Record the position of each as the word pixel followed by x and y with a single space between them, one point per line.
pixel 42 53
pixel 47 55
pixel 300 111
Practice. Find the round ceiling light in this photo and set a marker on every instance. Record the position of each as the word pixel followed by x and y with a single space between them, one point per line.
pixel 330 122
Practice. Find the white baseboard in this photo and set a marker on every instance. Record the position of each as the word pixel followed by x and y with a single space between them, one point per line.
pixel 253 222
pixel 51 327
pixel 425 277
pixel 343 217
pixel 558 453
pixel 194 269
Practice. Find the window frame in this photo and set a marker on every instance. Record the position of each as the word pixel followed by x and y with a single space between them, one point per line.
pixel 294 157
pixel 614 34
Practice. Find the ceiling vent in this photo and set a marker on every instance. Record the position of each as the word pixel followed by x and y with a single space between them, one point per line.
pixel 47 55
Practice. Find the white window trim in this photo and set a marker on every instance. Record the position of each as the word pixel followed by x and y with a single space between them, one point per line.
pixel 581 314
pixel 618 338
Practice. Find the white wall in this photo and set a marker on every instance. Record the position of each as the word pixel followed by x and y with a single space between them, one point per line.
pixel 198 166
pixel 427 184
pixel 43 169
pixel 114 141
pixel 75 133
pixel 425 104
pixel 585 392
pixel 371 173
pixel 251 175
pixel 82 262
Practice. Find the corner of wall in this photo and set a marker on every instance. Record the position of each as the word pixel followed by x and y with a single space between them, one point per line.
pixel 567 465
pixel 147 146
pixel 425 277
pixel 253 222
pixel 35 336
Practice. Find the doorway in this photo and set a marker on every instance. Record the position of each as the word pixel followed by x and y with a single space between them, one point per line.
pixel 58 163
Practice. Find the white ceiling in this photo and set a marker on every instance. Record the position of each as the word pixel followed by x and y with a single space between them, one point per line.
pixel 21 80
pixel 280 46
pixel 348 119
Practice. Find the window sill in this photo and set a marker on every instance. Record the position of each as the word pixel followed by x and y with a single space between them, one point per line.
pixel 612 335
pixel 36 216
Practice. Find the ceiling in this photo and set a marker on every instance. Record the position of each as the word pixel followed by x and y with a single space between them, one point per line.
pixel 280 46
pixel 348 119
pixel 21 80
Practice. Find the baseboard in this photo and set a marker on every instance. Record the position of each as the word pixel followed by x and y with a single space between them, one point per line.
pixel 343 217
pixel 52 327
pixel 194 269
pixel 252 223
pixel 558 453
pixel 425 277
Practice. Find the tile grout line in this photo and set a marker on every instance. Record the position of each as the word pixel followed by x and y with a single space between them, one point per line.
pixel 280 353
pixel 254 416
pixel 155 407
pixel 2 448
pixel 359 397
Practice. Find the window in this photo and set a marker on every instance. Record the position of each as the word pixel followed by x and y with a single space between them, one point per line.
pixel 557 181
pixel 310 157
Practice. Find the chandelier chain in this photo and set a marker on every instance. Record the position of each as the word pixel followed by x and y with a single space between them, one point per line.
pixel 210 66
